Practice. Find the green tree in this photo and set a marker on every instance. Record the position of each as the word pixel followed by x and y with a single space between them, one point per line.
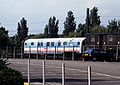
pixel 37 36
pixel 4 39
pixel 80 30
pixel 94 17
pixel 72 34
pixel 52 27
pixel 46 31
pixel 113 26
pixel 22 31
pixel 98 29
pixel 69 24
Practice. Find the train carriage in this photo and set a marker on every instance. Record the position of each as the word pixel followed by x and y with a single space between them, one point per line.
pixel 54 45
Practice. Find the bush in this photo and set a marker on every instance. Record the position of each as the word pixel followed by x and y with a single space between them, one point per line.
pixel 9 76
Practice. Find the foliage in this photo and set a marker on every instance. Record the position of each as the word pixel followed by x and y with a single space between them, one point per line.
pixel 69 24
pixel 46 31
pixel 37 36
pixel 51 30
pixel 9 76
pixel 4 39
pixel 98 29
pixel 72 34
pixel 22 32
pixel 3 64
pixel 113 26
pixel 94 17
pixel 80 30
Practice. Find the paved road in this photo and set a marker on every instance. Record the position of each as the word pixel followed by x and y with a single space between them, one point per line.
pixel 103 73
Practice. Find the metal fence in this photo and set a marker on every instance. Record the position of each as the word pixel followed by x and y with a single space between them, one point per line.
pixel 15 52
pixel 63 73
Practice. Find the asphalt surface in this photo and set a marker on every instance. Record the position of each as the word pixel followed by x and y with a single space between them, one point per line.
pixel 103 73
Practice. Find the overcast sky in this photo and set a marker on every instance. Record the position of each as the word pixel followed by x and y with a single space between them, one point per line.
pixel 37 12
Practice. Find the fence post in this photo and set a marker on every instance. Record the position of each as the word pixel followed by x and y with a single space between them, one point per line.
pixel 63 73
pixel 89 75
pixel 14 52
pixel 37 53
pixel 73 54
pixel 46 53
pixel 63 52
pixel 7 52
pixel 55 53
pixel 21 52
pixel 29 71
pixel 117 53
pixel 29 52
pixel 43 72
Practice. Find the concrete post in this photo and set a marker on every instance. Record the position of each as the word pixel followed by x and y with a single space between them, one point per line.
pixel 89 75
pixel 63 52
pixel 43 72
pixel 37 53
pixel 73 53
pixel 28 71
pixel 29 52
pixel 63 73
pixel 14 53
pixel 55 53
pixel 7 52
pixel 21 52
pixel 117 53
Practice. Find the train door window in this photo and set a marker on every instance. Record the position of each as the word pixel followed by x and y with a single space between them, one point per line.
pixel 64 43
pixel 38 44
pixel 59 43
pixel 52 44
pixel 78 43
pixel 71 43
pixel 41 44
pixel 48 44
pixel 32 43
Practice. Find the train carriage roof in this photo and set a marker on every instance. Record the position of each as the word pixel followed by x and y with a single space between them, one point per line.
pixel 54 39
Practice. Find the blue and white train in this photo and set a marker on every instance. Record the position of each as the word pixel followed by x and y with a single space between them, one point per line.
pixel 54 45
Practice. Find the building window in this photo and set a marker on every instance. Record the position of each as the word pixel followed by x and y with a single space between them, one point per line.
pixel 92 39
pixel 110 38
pixel 52 44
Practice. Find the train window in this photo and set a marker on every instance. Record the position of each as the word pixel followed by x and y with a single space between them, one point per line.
pixel 38 44
pixel 32 43
pixel 78 43
pixel 59 43
pixel 26 44
pixel 41 44
pixel 48 44
pixel 64 43
pixel 52 44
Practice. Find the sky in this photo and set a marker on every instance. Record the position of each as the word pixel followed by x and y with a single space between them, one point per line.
pixel 38 12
